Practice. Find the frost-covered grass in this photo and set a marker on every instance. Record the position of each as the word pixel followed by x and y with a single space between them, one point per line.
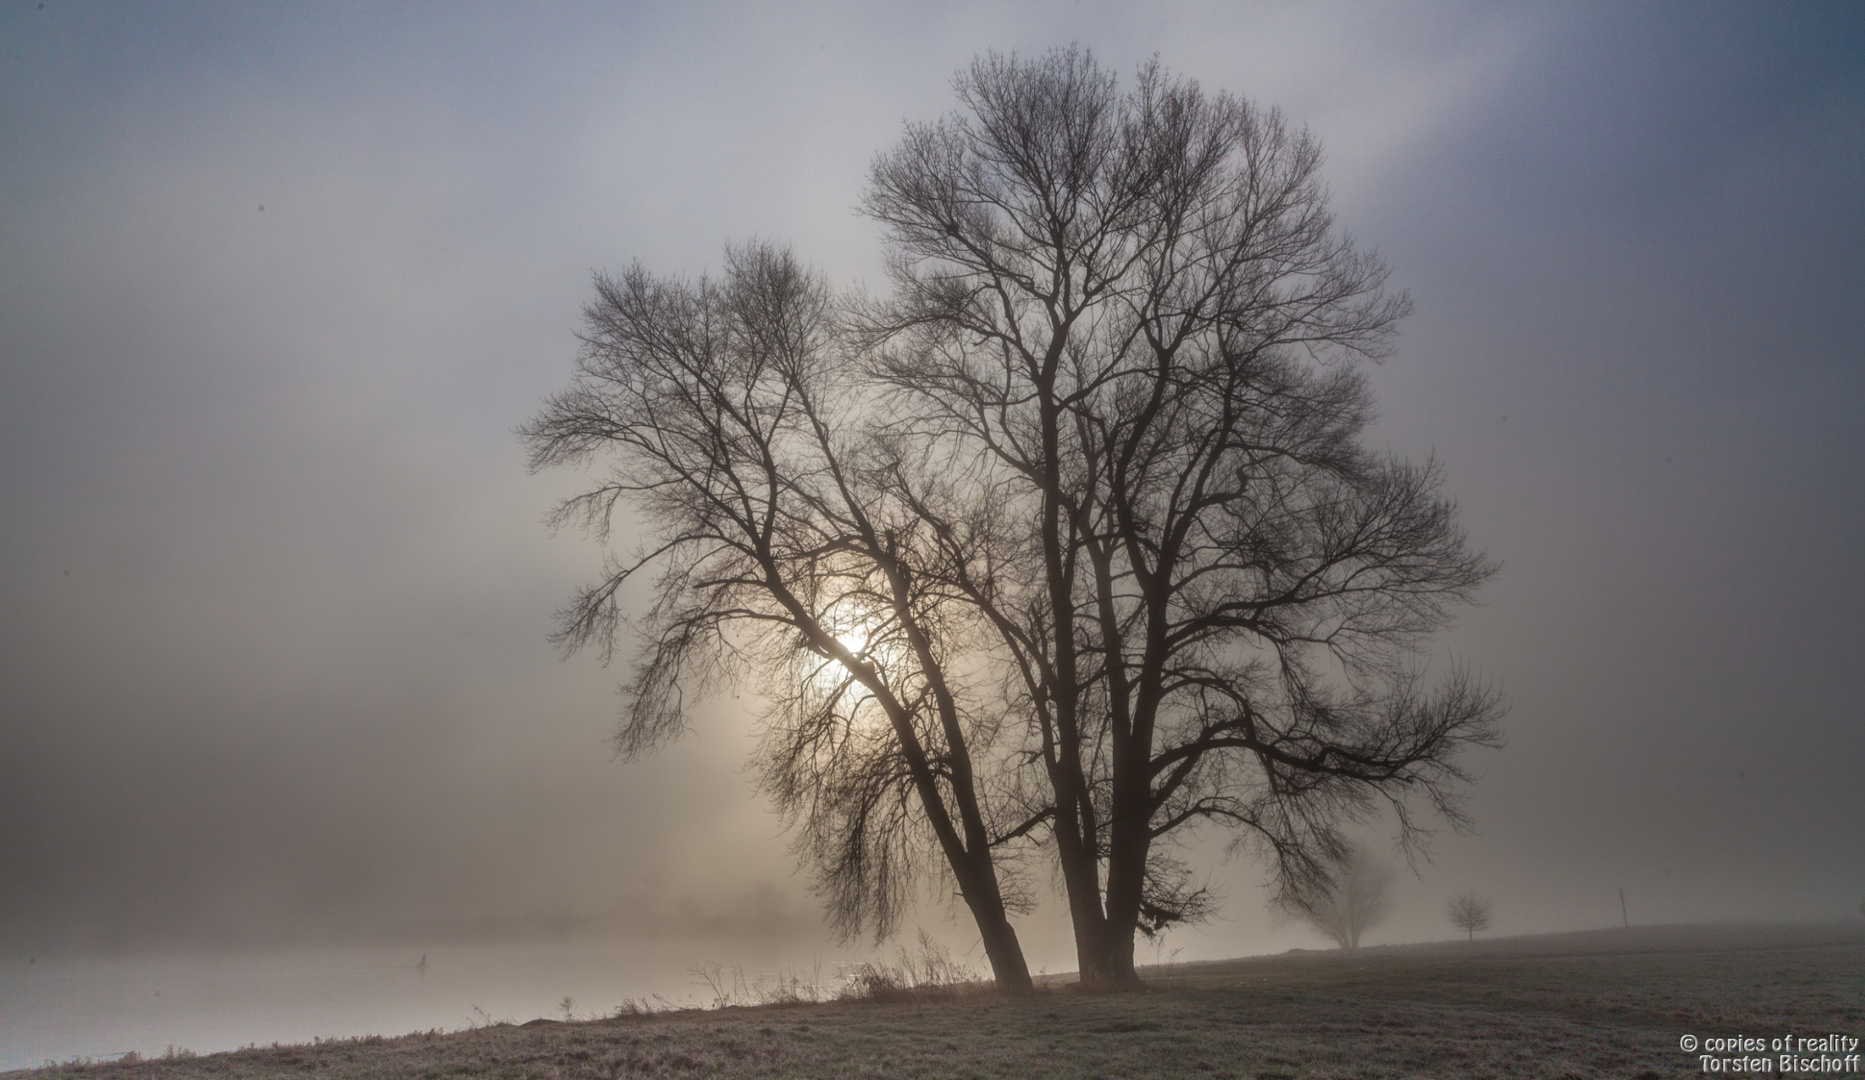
pixel 1598 1004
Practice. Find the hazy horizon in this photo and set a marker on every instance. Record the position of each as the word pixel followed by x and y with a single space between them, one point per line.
pixel 277 284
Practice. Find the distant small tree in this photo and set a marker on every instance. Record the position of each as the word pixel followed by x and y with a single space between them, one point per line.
pixel 1356 898
pixel 1469 912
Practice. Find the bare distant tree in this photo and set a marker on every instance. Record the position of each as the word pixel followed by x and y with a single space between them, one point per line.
pixel 1125 335
pixel 733 432
pixel 1356 898
pixel 1469 913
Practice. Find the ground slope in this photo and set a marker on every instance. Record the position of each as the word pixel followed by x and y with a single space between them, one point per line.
pixel 1596 1004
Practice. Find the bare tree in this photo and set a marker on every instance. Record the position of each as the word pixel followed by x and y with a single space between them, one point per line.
pixel 1123 334
pixel 731 428
pixel 1071 540
pixel 1469 912
pixel 1356 898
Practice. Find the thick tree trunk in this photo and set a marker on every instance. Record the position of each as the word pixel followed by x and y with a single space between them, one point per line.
pixel 971 862
pixel 1001 947
pixel 1081 880
pixel 1077 842
pixel 977 883
pixel 983 894
pixel 1126 884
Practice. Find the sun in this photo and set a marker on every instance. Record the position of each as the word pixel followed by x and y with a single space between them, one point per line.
pixel 854 640
pixel 860 630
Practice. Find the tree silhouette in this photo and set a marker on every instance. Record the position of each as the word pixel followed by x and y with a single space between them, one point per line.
pixel 1469 912
pixel 1356 898
pixel 1070 541
pixel 726 413
pixel 1126 324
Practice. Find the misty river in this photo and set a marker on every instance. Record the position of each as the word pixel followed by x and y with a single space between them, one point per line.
pixel 59 1008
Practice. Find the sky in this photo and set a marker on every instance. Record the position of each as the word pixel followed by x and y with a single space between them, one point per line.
pixel 278 282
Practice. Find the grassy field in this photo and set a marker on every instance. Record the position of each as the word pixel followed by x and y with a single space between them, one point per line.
pixel 1593 1004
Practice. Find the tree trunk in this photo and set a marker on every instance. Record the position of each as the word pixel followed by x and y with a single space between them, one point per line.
pixel 1130 835
pixel 1081 880
pixel 1126 883
pixel 1001 947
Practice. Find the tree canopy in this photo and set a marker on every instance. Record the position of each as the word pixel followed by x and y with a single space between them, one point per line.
pixel 1069 542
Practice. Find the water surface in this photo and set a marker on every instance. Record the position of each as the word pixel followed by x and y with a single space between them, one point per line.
pixel 59 1008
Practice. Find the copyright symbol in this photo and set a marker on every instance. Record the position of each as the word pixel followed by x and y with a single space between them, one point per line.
pixel 1688 1042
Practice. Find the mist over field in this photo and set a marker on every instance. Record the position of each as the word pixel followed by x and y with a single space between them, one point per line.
pixel 277 285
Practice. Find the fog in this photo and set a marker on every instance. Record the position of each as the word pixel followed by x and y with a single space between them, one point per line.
pixel 278 283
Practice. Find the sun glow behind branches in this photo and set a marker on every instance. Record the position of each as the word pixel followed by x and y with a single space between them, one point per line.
pixel 857 624
pixel 863 633
pixel 837 675
pixel 854 640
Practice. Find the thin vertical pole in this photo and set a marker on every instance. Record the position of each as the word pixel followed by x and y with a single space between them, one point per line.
pixel 1627 919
